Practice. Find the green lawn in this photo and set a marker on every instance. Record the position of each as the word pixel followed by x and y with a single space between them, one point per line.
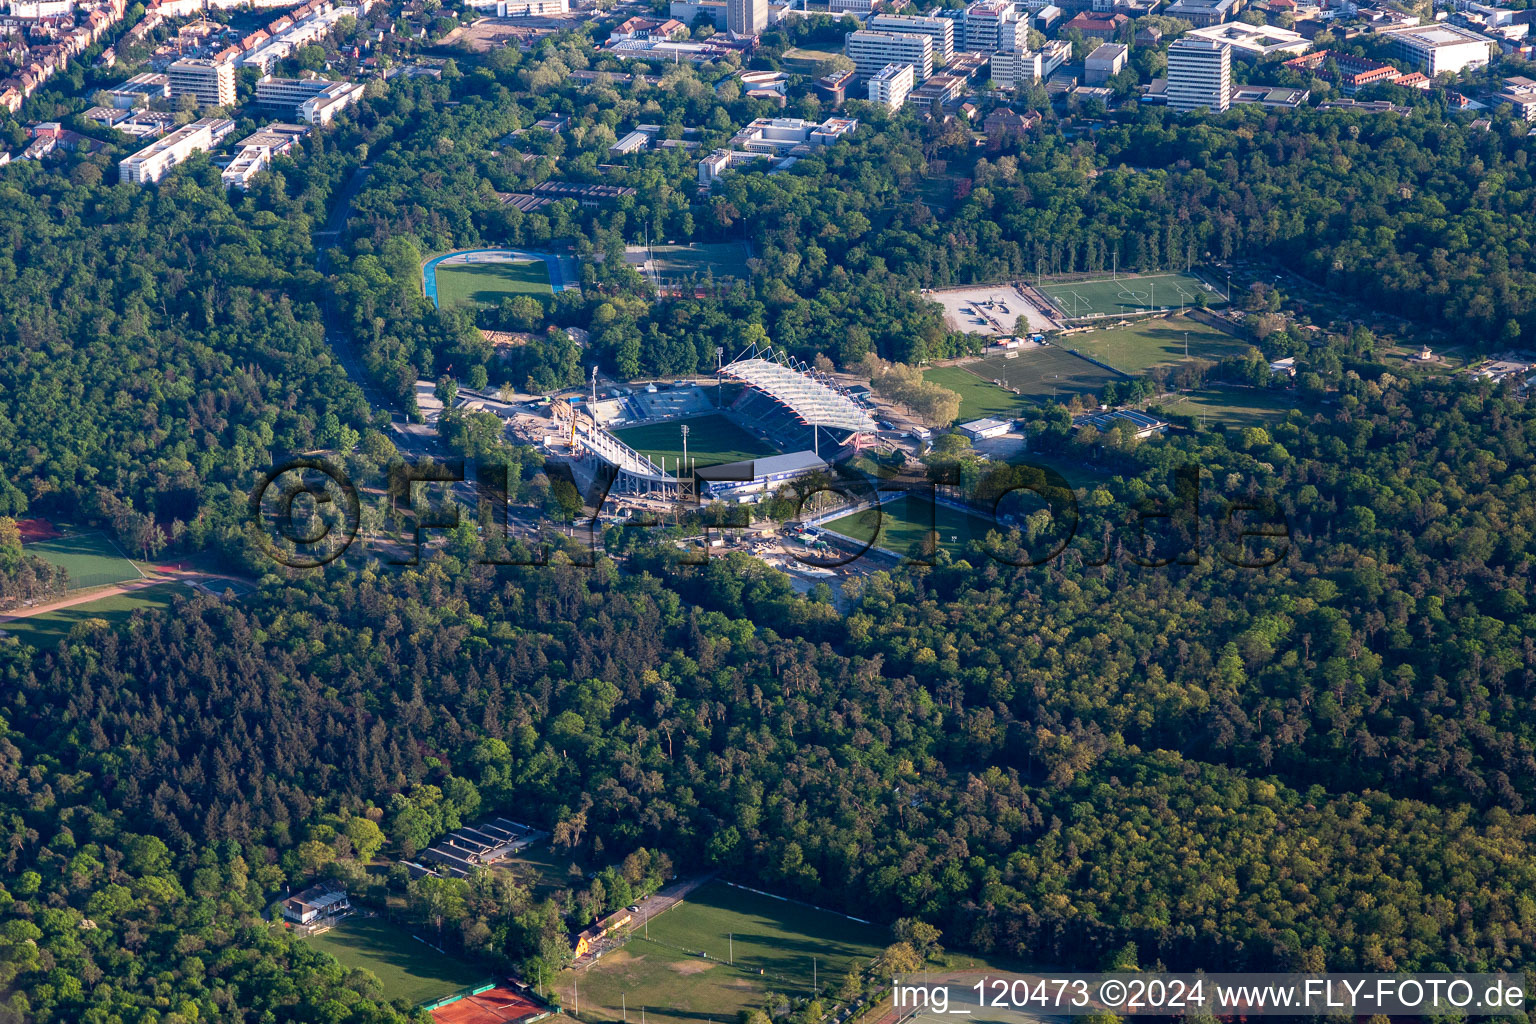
pixel 46 630
pixel 803 60
pixel 407 969
pixel 488 283
pixel 1239 407
pixel 1044 374
pixel 1128 294
pixel 542 871
pixel 91 559
pixel 1139 347
pixel 978 397
pixel 712 440
pixel 908 520
pixel 753 943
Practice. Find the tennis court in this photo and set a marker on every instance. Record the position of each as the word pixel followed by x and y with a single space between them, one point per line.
pixel 1124 294
pixel 91 559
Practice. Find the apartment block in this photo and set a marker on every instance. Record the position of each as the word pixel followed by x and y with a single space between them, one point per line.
pixel 891 86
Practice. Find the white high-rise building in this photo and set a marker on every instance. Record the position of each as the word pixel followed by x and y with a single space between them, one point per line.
pixel 891 85
pixel 941 30
pixel 872 51
pixel 990 26
pixel 212 83
pixel 746 17
pixel 1199 75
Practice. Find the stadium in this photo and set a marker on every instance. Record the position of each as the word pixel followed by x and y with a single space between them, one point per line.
pixel 767 420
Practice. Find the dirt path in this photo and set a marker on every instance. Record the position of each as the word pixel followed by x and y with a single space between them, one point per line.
pixel 154 576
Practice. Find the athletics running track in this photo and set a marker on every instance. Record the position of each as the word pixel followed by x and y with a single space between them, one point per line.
pixel 552 262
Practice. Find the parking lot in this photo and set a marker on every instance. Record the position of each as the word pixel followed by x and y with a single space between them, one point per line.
pixel 988 310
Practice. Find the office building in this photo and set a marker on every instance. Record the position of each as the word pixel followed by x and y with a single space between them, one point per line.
pixel 139 90
pixel 256 152
pixel 212 83
pixel 1199 75
pixel 782 136
pixel 1519 93
pixel 990 26
pixel 1014 70
pixel 154 161
pixel 1104 63
pixel 745 18
pixel 1201 13
pixel 312 100
pixel 872 51
pixel 689 11
pixel 891 86
pixel 850 6
pixel 1255 42
pixel 1442 49
pixel 941 30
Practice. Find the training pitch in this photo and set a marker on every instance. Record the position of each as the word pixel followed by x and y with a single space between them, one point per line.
pixel 712 441
pixel 1141 346
pixel 91 559
pixel 978 398
pixel 908 520
pixel 486 284
pixel 1043 374
pixel 752 944
pixel 407 969
pixel 1128 294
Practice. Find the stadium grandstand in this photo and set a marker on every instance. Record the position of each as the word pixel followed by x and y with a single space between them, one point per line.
pixel 794 402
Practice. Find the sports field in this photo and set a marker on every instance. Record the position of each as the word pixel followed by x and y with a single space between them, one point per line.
pixel 753 944
pixel 978 397
pixel 406 968
pixel 1128 294
pixel 46 630
pixel 908 520
pixel 1237 407
pixel 712 440
pixel 1044 374
pixel 487 284
pixel 91 559
pixel 722 259
pixel 1138 347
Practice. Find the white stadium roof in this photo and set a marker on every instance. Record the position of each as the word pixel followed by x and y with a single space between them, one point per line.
pixel 811 400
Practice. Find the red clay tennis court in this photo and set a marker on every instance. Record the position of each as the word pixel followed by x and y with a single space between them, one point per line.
pixel 493 1006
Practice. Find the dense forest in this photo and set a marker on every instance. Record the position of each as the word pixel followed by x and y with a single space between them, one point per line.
pixel 1325 762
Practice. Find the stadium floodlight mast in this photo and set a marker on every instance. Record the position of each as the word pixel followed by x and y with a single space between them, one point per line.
pixel 680 465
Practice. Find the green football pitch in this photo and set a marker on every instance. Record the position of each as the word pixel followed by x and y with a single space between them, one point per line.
pixel 751 944
pixel 407 969
pixel 1123 295
pixel 1044 374
pixel 487 284
pixel 91 559
pixel 908 520
pixel 978 397
pixel 1161 341
pixel 712 440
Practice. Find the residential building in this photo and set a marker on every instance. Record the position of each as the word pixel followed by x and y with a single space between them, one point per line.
pixel 1519 93
pixel 1442 49
pixel 990 26
pixel 891 85
pixel 1254 42
pixel 139 90
pixel 151 163
pixel 1199 75
pixel 211 82
pixel 744 18
pixel 941 30
pixel 872 51
pixel 1149 36
pixel 256 152
pixel 1201 13
pixel 1104 63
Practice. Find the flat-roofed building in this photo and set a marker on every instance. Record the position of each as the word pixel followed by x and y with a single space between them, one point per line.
pixel 139 90
pixel 154 161
pixel 1201 13
pixel 1273 96
pixel 872 51
pixel 211 82
pixel 941 30
pixel 781 136
pixel 257 150
pixel 1104 63
pixel 1442 49
pixel 1519 93
pixel 891 86
pixel 990 26
pixel 1253 41
pixel 1014 70
pixel 312 100
pixel 746 18
pixel 1354 73
pixel 1199 75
